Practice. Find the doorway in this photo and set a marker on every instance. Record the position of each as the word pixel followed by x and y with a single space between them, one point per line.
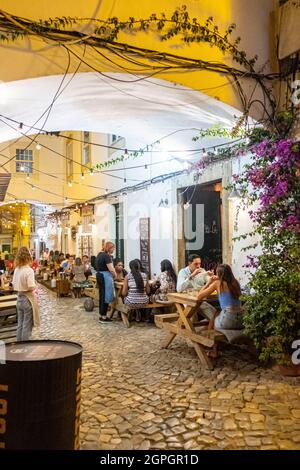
pixel 202 223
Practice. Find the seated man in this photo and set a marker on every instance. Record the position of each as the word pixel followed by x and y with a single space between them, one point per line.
pixel 193 277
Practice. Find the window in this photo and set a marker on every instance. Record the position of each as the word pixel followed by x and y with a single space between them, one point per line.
pixel 86 149
pixel 24 161
pixel 69 161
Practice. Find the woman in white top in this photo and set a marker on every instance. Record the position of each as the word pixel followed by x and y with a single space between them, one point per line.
pixel 24 284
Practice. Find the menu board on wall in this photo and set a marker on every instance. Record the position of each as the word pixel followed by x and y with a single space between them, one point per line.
pixel 145 244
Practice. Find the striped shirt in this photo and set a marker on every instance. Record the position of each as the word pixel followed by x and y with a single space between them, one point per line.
pixel 134 296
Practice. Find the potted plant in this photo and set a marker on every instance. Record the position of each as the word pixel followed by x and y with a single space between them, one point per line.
pixel 271 185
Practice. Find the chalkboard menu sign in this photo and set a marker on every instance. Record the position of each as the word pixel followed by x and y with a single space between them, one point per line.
pixel 145 244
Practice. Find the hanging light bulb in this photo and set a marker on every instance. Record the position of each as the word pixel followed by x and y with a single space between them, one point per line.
pixel 38 147
pixel 32 187
pixel 146 166
pixel 66 200
pixel 106 191
pixel 126 156
pixel 186 205
pixel 21 125
pixel 82 176
pixel 70 184
pixel 27 176
pixel 22 168
pixel 125 180
pixel 91 172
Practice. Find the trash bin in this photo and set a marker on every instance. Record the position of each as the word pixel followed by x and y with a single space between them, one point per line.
pixel 40 384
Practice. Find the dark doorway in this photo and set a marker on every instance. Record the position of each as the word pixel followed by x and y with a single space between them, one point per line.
pixel 119 232
pixel 202 223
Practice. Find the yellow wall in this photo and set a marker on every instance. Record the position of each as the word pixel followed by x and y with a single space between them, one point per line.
pixel 47 163
pixel 34 58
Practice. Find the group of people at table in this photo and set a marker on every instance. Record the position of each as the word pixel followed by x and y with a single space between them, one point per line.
pixel 138 291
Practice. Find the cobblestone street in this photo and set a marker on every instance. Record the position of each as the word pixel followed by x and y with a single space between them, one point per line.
pixel 137 396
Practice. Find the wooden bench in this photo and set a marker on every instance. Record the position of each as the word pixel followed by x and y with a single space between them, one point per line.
pixel 5 298
pixel 125 310
pixel 63 287
pixel 8 317
pixel 181 324
pixel 93 291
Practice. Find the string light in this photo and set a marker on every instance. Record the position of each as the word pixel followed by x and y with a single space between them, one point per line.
pixel 27 176
pixel 22 168
pixel 126 156
pixel 82 176
pixel 91 172
pixel 70 184
pixel 21 125
pixel 106 191
pixel 38 147
pixel 32 187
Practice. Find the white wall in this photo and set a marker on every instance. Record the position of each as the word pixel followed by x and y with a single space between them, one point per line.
pixel 242 225
pixel 145 204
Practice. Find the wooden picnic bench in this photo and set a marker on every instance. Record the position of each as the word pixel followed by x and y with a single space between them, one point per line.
pixel 118 306
pixel 8 317
pixel 92 291
pixel 180 323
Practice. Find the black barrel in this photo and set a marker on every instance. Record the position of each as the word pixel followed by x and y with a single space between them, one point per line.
pixel 40 383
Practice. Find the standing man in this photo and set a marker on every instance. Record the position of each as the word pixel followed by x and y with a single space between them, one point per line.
pixel 193 277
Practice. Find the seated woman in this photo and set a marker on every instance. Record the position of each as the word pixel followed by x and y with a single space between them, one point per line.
pixel 165 282
pixel 229 292
pixel 79 279
pixel 136 287
pixel 120 271
pixel 87 266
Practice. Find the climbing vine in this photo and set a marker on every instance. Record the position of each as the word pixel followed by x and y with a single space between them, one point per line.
pixel 99 35
pixel 105 34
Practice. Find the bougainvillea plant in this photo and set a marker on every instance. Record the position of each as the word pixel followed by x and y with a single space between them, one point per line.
pixel 270 185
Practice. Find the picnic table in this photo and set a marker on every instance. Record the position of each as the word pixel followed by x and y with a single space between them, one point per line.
pixel 8 317
pixel 118 306
pixel 181 324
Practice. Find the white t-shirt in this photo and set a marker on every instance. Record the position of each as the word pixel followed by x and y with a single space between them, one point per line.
pixel 23 279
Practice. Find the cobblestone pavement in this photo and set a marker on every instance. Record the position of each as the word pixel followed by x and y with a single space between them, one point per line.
pixel 138 396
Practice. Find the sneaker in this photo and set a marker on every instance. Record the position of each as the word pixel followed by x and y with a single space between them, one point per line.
pixel 105 320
